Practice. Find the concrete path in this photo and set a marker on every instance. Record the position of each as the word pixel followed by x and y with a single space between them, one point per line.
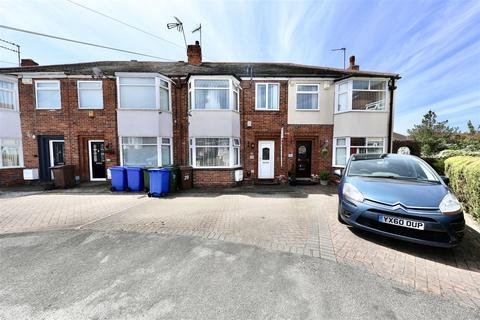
pixel 120 275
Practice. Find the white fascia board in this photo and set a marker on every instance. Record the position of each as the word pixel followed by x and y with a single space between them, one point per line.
pixel 143 75
pixel 8 77
pixel 34 75
pixel 265 78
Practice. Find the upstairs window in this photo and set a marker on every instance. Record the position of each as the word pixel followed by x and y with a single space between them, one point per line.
pixel 7 95
pixel 47 94
pixel 144 93
pixel 361 95
pixel 307 97
pixel 267 96
pixel 213 94
pixel 368 95
pixel 90 94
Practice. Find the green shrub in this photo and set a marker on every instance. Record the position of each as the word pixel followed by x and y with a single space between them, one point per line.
pixel 464 174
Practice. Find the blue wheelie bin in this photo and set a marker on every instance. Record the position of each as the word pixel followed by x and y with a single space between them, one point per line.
pixel 159 179
pixel 119 178
pixel 134 179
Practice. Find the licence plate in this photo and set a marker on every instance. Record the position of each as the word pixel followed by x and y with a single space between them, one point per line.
pixel 402 222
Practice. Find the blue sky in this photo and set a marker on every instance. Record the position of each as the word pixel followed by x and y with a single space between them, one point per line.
pixel 434 45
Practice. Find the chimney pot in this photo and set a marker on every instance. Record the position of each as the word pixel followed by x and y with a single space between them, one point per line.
pixel 194 53
pixel 353 66
pixel 28 63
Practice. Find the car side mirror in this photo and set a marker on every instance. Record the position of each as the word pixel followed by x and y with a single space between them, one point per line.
pixel 337 172
pixel 445 179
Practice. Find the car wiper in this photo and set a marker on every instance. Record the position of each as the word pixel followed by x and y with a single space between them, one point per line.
pixel 399 178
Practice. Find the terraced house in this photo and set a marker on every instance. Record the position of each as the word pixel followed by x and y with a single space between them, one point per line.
pixel 232 122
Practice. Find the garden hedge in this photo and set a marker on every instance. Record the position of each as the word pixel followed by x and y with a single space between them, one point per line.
pixel 464 174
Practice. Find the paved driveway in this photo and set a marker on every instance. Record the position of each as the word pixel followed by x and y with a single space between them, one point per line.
pixel 298 220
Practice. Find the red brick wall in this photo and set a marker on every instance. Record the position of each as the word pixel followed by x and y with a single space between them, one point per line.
pixel 267 125
pixel 11 177
pixel 213 177
pixel 71 122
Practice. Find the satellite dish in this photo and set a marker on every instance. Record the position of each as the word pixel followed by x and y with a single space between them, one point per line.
pixel 97 72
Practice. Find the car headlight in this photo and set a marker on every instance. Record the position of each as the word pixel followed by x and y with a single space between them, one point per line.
pixel 450 204
pixel 352 193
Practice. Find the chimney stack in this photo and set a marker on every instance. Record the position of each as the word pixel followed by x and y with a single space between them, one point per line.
pixel 352 65
pixel 28 63
pixel 194 53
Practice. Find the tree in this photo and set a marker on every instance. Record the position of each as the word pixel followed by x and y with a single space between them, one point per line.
pixel 433 135
pixel 471 127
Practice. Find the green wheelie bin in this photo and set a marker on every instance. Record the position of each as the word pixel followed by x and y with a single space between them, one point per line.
pixel 173 178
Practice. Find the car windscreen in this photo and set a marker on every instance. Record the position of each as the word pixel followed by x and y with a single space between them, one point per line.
pixel 390 167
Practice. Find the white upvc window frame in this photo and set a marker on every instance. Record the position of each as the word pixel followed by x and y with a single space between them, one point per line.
pixel 20 152
pixel 158 78
pixel 59 94
pixel 13 91
pixel 350 91
pixel 158 145
pixel 79 82
pixel 348 146
pixel 231 153
pixel 233 86
pixel 266 84
pixel 307 92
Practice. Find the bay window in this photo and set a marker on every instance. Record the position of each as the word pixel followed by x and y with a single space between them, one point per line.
pixel 213 94
pixel 143 92
pixel 90 94
pixel 10 153
pixel 361 95
pixel 307 97
pixel 215 152
pixel 8 95
pixel 344 147
pixel 267 96
pixel 47 94
pixel 146 151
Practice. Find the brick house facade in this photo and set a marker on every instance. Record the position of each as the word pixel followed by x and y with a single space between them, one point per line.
pixel 74 125
pixel 191 127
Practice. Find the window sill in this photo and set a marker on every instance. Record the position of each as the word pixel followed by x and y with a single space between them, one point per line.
pixel 210 110
pixel 86 108
pixel 217 168
pixel 144 109
pixel 362 111
pixel 307 110
pixel 268 110
pixel 16 167
pixel 9 110
pixel 47 109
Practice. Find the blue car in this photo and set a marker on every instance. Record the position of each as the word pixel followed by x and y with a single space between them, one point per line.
pixel 401 197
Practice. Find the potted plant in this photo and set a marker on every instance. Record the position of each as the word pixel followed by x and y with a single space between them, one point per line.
pixel 324 177
pixel 292 179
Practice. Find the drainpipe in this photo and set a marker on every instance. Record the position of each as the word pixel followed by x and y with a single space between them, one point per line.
pixel 281 147
pixel 391 88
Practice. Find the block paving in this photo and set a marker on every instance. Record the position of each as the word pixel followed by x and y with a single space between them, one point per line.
pixel 299 220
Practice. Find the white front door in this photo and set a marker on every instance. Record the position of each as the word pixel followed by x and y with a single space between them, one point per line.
pixel 266 159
